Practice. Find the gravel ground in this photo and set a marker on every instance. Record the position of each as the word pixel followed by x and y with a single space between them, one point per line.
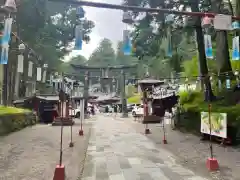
pixel 33 153
pixel 192 152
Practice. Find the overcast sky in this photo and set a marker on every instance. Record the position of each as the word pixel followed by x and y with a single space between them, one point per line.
pixel 108 24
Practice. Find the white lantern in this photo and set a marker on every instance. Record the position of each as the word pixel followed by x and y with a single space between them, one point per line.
pixel 10 6
pixel 169 19
pixel 127 18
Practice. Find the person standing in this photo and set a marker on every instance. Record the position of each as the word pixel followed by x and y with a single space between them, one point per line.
pixel 115 109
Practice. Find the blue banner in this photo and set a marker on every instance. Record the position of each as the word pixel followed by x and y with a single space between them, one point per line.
pixel 208 46
pixel 4 55
pixel 169 47
pixel 7 31
pixel 127 45
pixel 235 49
pixel 78 37
pixel 80 12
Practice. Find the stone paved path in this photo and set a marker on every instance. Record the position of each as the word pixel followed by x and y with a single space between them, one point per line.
pixel 32 153
pixel 192 153
pixel 117 152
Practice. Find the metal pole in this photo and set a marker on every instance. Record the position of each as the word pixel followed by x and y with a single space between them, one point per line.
pixel 86 87
pixel 210 124
pixel 61 139
pixel 71 144
pixel 123 97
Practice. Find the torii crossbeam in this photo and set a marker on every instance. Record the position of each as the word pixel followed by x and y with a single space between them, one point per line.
pixel 138 9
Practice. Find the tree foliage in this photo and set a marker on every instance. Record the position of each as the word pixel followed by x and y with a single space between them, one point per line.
pixel 49 28
pixel 103 55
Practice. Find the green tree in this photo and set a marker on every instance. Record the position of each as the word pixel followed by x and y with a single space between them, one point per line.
pixel 222 47
pixel 103 55
pixel 48 28
pixel 176 28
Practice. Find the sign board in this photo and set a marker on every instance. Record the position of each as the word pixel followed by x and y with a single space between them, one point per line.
pixel 218 124
pixel 222 22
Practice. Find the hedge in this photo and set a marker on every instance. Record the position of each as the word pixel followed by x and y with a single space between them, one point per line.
pixel 136 99
pixel 14 119
pixel 192 104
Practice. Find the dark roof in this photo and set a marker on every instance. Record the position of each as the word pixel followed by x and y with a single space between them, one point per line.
pixel 104 67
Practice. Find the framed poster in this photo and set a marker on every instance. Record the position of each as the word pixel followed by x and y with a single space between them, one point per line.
pixel 218 124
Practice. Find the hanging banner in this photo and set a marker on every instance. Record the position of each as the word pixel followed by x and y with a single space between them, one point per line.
pixel 80 12
pixel 44 76
pixel 20 63
pixel 218 124
pixel 78 37
pixel 169 47
pixel 208 46
pixel 30 68
pixel 7 31
pixel 4 54
pixel 39 74
pixel 235 48
pixel 127 45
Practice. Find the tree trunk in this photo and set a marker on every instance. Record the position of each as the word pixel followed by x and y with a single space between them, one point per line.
pixel 209 96
pixel 222 49
pixel 222 53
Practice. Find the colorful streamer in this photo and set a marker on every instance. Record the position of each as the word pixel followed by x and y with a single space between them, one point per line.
pixel 78 37
pixel 7 31
pixel 4 54
pixel 208 46
pixel 127 45
pixel 235 49
pixel 169 47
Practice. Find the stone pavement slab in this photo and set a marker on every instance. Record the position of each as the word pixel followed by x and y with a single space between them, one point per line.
pixel 117 152
pixel 33 153
pixel 192 153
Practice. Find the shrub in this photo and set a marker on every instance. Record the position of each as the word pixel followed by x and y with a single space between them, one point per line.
pixel 192 104
pixel 13 119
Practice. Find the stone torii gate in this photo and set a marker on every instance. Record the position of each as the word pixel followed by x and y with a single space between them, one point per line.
pixel 106 77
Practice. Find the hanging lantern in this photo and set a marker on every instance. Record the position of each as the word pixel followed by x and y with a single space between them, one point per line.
pixel 127 18
pixel 78 37
pixel 235 48
pixel 189 21
pixel 10 6
pixel 235 25
pixel 206 22
pixel 169 19
pixel 80 12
